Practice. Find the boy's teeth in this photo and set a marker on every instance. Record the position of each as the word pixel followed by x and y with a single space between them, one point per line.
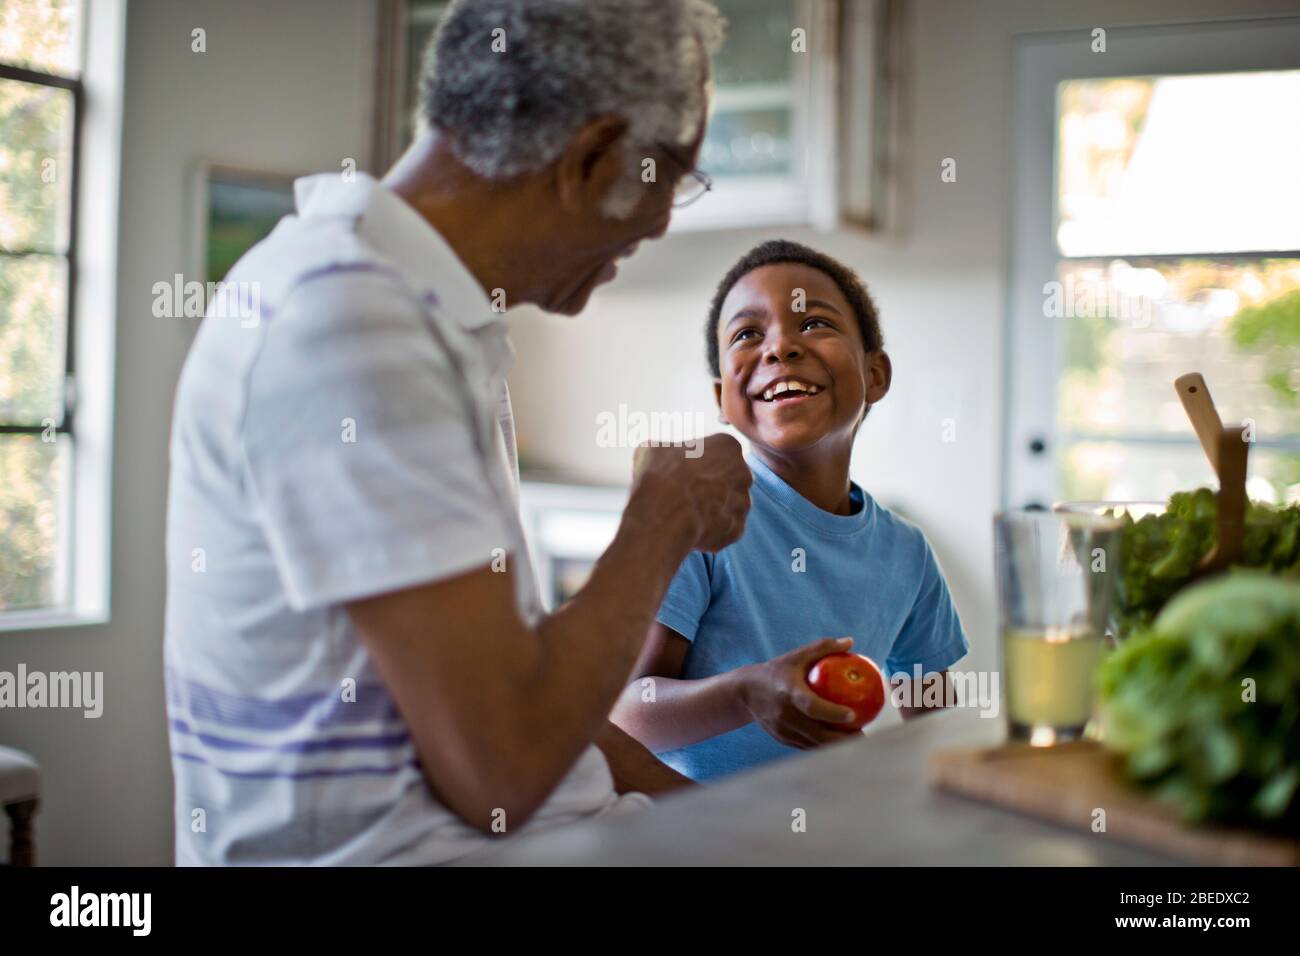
pixel 791 386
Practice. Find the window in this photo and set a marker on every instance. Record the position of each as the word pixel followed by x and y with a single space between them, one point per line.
pixel 1157 232
pixel 61 75
pixel 40 107
pixel 789 75
pixel 771 139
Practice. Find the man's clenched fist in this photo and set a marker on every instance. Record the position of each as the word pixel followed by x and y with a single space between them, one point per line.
pixel 704 498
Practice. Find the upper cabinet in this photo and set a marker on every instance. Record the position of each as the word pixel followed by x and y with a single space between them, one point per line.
pixel 769 138
pixel 804 110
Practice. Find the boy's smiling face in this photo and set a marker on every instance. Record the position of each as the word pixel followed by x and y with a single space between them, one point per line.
pixel 794 380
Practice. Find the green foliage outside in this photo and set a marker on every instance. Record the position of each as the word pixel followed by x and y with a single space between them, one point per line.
pixel 34 176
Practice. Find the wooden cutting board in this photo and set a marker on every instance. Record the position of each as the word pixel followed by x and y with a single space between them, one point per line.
pixel 1066 784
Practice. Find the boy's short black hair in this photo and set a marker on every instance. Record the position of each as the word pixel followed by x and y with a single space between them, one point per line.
pixel 782 250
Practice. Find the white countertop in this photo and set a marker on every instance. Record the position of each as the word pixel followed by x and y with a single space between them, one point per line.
pixel 865 802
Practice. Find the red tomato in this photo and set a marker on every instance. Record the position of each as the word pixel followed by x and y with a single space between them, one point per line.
pixel 852 681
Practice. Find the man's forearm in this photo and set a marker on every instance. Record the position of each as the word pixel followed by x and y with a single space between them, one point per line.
pixel 587 649
pixel 502 711
pixel 590 644
pixel 528 701
pixel 635 768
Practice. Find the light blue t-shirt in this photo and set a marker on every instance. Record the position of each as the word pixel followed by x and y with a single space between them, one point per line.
pixel 869 575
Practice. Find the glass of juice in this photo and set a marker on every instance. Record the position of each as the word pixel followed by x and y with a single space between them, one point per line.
pixel 1054 580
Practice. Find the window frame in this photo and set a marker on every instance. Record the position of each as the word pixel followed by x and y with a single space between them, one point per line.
pixel 86 490
pixel 65 425
pixel 1031 356
pixel 68 406
pixel 810 193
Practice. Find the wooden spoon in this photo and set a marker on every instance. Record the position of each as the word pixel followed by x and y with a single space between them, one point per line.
pixel 1227 451
pixel 1231 455
pixel 1198 404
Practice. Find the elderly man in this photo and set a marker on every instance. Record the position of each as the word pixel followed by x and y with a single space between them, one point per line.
pixel 358 667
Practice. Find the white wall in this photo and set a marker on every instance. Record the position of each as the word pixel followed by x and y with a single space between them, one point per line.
pixel 939 287
pixel 282 86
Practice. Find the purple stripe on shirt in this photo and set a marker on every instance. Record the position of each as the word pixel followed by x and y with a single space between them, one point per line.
pixel 340 268
pixel 297 774
pixel 320 711
pixel 343 268
pixel 295 747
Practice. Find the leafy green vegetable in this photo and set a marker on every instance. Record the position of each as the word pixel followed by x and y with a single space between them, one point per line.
pixel 1160 553
pixel 1204 706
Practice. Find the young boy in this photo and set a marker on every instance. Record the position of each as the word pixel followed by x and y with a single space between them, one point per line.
pixel 797 357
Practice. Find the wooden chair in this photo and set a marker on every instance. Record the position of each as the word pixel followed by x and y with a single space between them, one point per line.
pixel 20 792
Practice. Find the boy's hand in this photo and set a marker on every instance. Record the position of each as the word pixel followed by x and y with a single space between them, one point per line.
pixel 776 692
pixel 704 499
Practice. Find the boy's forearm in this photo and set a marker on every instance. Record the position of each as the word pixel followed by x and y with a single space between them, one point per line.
pixel 666 713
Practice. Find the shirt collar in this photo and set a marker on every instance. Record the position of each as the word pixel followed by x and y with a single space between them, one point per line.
pixel 406 238
pixel 772 486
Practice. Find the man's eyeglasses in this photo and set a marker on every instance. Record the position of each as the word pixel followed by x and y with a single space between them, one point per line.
pixel 693 184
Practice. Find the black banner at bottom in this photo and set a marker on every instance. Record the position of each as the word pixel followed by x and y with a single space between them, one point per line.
pixel 261 905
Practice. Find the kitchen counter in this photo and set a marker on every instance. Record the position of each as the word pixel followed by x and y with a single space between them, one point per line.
pixel 866 802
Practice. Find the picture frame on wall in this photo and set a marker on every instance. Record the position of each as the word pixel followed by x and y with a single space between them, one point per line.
pixel 234 209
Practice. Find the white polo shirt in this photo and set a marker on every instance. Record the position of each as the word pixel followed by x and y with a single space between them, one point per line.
pixel 353 437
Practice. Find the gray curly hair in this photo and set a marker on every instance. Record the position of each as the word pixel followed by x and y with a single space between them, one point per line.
pixel 564 63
